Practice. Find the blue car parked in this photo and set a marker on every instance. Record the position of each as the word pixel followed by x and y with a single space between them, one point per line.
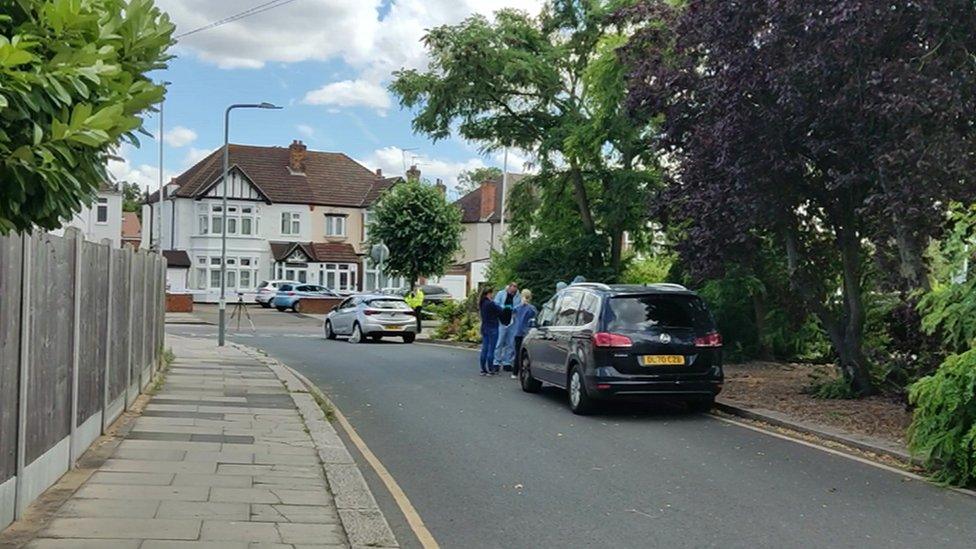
pixel 288 295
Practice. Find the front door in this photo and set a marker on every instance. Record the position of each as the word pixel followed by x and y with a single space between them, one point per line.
pixel 343 317
pixel 563 330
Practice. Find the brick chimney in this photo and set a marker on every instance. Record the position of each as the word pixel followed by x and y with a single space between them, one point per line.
pixel 379 172
pixel 413 174
pixel 441 187
pixel 487 198
pixel 296 156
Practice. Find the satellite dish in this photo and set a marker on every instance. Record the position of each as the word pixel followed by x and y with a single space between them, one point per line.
pixel 379 253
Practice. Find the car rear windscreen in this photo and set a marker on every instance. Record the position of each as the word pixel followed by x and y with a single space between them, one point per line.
pixel 388 304
pixel 642 312
pixel 262 284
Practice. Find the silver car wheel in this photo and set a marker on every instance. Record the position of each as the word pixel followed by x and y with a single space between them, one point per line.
pixel 357 334
pixel 574 389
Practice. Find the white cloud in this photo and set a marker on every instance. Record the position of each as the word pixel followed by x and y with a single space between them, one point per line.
pixel 391 159
pixel 350 93
pixel 305 130
pixel 145 175
pixel 179 136
pixel 321 30
pixel 195 155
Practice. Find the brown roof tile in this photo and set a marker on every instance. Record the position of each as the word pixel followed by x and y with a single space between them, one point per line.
pixel 330 179
pixel 318 252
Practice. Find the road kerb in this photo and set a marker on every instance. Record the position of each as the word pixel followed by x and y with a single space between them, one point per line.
pixel 782 420
pixel 359 513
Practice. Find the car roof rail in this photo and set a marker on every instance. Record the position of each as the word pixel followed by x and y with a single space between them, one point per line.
pixel 598 285
pixel 668 285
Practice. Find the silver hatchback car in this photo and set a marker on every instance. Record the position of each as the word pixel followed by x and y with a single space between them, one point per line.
pixel 373 317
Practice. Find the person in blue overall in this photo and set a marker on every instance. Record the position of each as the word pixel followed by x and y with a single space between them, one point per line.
pixel 523 315
pixel 490 312
pixel 508 300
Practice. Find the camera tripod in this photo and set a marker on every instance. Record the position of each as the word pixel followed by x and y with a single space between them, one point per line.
pixel 240 310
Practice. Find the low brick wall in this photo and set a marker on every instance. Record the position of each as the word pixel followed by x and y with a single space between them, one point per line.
pixel 317 305
pixel 179 303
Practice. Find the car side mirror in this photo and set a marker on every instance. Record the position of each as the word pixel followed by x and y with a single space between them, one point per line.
pixel 531 323
pixel 335 308
pixel 546 322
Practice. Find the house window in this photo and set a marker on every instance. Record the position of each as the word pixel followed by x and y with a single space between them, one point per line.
pixel 247 221
pixel 366 215
pixel 373 279
pixel 101 210
pixel 291 223
pixel 338 276
pixel 241 273
pixel 241 220
pixel 335 225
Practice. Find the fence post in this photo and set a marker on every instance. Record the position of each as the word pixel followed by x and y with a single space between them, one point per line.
pixel 142 347
pixel 109 299
pixel 75 235
pixel 128 360
pixel 22 378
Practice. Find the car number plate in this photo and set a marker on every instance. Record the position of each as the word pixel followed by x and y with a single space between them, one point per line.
pixel 392 327
pixel 663 360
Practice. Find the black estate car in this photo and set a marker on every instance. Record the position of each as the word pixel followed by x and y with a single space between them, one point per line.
pixel 603 341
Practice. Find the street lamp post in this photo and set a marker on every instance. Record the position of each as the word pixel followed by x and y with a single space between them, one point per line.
pixel 160 197
pixel 223 216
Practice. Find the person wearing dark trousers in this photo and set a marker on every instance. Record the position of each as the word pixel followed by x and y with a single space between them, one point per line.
pixel 523 314
pixel 490 313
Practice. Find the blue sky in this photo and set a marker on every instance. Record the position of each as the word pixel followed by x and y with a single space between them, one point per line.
pixel 327 62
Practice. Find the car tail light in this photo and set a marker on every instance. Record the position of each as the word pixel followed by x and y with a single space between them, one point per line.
pixel 711 339
pixel 291 293
pixel 606 339
pixel 371 312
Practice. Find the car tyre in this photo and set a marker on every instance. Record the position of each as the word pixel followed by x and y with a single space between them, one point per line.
pixel 297 307
pixel 329 333
pixel 265 304
pixel 580 403
pixel 409 338
pixel 529 384
pixel 281 309
pixel 357 334
pixel 701 405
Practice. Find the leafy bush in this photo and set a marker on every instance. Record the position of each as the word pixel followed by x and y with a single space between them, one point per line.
pixel 831 388
pixel 648 270
pixel 943 429
pixel 459 320
pixel 73 87
pixel 950 309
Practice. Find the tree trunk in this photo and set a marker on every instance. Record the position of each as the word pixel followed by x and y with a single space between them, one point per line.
pixel 851 352
pixel 759 310
pixel 582 200
pixel 616 250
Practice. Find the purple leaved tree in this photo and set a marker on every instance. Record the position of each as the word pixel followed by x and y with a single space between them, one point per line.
pixel 841 129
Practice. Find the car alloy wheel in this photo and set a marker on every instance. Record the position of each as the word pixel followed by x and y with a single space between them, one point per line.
pixel 529 384
pixel 575 389
pixel 357 334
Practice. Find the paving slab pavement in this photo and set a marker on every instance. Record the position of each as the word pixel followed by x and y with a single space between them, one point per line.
pixel 228 453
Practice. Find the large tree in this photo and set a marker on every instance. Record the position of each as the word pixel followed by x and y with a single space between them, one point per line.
pixel 468 180
pixel 73 85
pixel 838 128
pixel 550 84
pixel 419 226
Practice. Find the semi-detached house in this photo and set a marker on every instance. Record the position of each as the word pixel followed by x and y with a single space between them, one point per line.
pixel 291 213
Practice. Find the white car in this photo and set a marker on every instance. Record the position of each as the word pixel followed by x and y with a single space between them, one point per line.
pixel 267 289
pixel 372 316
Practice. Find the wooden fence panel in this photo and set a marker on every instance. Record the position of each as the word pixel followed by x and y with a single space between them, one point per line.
pixel 138 315
pixel 11 257
pixel 52 338
pixel 94 324
pixel 120 324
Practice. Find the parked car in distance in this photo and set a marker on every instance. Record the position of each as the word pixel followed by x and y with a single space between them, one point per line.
pixel 267 290
pixel 371 316
pixel 433 294
pixel 601 341
pixel 289 295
